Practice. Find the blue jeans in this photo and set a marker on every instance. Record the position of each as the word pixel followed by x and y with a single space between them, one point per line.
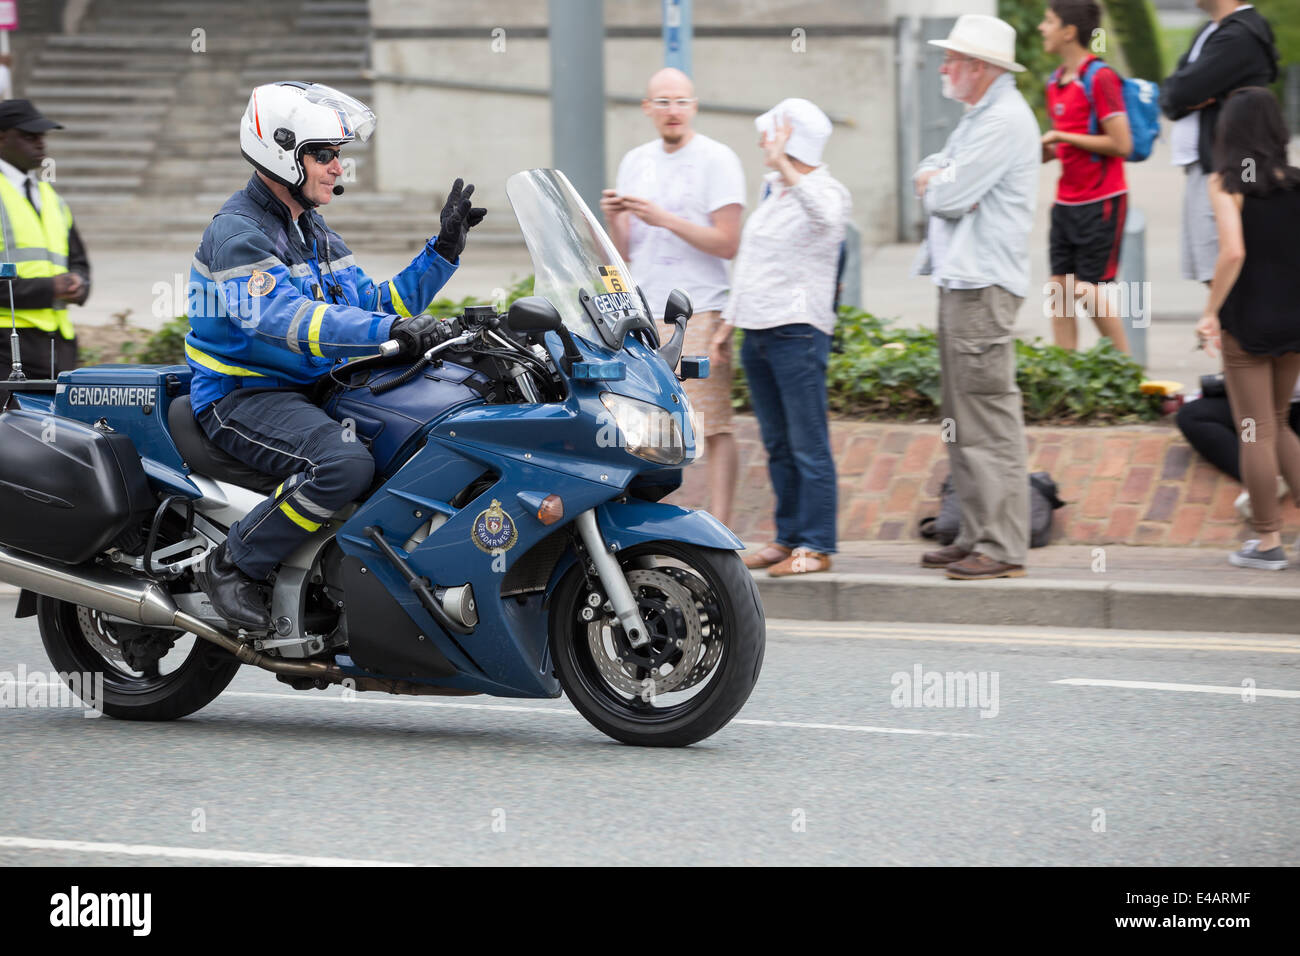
pixel 786 369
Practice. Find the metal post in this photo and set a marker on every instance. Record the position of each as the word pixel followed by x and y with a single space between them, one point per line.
pixel 9 272
pixel 851 292
pixel 908 33
pixel 678 31
pixel 577 31
pixel 1134 290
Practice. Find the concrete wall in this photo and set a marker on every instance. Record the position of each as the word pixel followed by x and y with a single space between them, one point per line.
pixel 427 136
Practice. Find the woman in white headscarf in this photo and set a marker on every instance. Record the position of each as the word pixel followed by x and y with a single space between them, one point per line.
pixel 782 295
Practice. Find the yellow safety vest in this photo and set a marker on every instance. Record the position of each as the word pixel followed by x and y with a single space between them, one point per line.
pixel 38 246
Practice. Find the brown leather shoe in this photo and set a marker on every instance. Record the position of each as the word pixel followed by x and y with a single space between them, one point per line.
pixel 980 567
pixel 943 557
pixel 767 556
pixel 801 561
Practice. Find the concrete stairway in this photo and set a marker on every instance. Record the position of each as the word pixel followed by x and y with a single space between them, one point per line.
pixel 151 92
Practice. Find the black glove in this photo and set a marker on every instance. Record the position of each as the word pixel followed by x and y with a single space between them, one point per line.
pixel 458 217
pixel 420 333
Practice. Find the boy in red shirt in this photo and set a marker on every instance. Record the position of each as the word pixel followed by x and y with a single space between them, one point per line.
pixel 1092 195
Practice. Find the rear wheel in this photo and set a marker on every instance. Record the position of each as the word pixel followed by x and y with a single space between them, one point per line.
pixel 705 651
pixel 150 673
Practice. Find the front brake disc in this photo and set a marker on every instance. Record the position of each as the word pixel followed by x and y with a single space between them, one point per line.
pixel 620 671
pixel 710 618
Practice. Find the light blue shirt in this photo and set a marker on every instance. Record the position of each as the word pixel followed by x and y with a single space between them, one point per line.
pixel 987 190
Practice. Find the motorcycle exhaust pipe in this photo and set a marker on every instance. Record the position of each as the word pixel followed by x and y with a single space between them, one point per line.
pixel 89 586
pixel 149 603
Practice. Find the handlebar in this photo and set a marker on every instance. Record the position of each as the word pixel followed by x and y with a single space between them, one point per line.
pixel 463 327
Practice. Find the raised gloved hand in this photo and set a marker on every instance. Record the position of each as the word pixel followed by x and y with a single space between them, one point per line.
pixel 420 333
pixel 458 217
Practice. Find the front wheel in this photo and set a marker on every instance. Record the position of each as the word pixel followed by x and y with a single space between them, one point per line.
pixel 149 673
pixel 707 636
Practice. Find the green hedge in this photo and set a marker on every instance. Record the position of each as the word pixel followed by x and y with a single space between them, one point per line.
pixel 883 372
pixel 167 345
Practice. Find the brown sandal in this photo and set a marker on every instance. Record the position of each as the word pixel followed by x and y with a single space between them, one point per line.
pixel 801 561
pixel 770 554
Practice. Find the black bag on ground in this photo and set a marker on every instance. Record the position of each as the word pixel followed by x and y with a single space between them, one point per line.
pixel 1043 500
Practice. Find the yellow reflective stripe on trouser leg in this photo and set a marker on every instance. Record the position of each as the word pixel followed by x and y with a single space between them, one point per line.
pixel 313 331
pixel 298 519
pixel 398 305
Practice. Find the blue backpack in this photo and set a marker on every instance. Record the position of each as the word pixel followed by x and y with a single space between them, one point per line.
pixel 1141 102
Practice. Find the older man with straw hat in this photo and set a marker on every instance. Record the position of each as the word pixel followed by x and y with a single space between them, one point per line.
pixel 980 192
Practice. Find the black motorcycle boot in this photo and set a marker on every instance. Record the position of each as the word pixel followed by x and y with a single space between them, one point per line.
pixel 234 595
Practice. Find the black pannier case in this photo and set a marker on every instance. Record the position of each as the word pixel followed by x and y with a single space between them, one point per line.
pixel 66 490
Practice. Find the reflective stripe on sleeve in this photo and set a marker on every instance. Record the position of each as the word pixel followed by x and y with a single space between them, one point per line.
pixel 313 331
pixel 398 305
pixel 291 336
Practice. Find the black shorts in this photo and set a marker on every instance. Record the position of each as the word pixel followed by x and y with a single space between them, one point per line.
pixel 1085 240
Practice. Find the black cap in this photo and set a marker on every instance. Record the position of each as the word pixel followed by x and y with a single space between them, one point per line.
pixel 21 114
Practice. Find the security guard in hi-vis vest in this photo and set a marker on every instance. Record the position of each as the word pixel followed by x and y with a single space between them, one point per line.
pixel 40 240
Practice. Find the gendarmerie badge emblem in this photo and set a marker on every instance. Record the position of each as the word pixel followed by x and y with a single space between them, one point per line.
pixel 494 531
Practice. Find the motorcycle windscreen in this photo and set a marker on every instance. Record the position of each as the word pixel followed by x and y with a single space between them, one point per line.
pixel 575 263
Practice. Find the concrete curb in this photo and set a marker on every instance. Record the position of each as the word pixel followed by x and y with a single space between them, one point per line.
pixel 1021 602
pixel 1032 603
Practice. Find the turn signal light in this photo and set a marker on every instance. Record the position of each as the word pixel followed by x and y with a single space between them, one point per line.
pixel 551 511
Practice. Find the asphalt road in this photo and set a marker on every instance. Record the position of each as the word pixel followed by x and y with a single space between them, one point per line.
pixel 820 767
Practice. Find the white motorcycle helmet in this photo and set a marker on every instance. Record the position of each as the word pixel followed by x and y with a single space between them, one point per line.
pixel 284 120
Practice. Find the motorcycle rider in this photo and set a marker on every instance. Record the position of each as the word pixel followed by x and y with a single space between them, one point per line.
pixel 276 299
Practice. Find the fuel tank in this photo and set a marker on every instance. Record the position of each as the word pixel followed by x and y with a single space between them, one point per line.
pixel 393 422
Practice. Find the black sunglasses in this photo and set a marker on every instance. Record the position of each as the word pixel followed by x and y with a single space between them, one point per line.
pixel 323 156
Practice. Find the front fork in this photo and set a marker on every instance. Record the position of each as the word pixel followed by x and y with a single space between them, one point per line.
pixel 612 579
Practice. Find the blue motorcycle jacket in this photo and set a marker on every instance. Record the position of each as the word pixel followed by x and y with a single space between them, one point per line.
pixel 269 308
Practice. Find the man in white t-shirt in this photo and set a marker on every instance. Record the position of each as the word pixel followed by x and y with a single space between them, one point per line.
pixel 674 215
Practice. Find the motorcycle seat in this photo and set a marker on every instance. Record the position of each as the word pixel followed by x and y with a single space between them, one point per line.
pixel 202 456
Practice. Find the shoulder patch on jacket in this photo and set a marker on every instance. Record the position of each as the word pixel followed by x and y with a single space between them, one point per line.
pixel 260 283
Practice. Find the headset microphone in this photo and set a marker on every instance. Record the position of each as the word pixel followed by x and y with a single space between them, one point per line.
pixel 338 190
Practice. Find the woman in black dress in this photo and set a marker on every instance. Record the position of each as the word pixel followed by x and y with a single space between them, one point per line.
pixel 1254 307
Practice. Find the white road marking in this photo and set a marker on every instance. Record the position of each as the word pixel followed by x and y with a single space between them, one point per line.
pixel 573 713
pixel 1040 637
pixel 187 853
pixel 1196 688
pixel 860 729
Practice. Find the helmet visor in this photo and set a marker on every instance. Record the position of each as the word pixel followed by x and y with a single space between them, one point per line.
pixel 356 120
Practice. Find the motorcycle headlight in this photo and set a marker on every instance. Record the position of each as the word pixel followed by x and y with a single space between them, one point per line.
pixel 646 430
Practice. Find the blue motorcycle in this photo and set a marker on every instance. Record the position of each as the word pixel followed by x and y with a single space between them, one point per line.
pixel 514 542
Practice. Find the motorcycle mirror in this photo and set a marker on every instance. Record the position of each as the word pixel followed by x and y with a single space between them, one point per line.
pixel 678 307
pixel 534 313
pixel 676 313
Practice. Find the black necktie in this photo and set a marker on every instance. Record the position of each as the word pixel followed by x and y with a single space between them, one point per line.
pixel 27 188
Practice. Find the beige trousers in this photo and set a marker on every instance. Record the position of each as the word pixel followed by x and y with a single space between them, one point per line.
pixel 983 420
